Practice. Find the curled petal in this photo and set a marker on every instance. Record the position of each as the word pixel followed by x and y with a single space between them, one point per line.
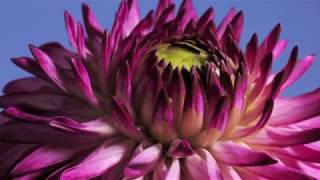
pixel 90 22
pixel 225 22
pixel 284 137
pixel 71 28
pixel 143 162
pixel 133 17
pixel 180 149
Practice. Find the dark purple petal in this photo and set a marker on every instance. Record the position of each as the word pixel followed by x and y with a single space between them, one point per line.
pixel 90 22
pixel 225 22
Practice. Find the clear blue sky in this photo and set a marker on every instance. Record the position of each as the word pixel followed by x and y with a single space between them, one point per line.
pixel 37 22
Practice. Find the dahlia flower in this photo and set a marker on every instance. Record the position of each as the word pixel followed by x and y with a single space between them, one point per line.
pixel 165 97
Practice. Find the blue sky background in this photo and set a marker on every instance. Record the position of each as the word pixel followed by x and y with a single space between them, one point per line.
pixel 37 22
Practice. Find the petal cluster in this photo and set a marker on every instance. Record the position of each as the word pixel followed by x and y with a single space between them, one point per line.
pixel 117 107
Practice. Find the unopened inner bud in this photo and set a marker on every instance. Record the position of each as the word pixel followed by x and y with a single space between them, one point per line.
pixel 185 53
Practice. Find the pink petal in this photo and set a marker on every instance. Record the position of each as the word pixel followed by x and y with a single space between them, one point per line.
pixel 235 154
pixel 203 166
pixel 279 48
pixel 276 171
pixel 164 171
pixel 162 6
pixel 143 162
pixel 295 109
pixel 225 22
pixel 71 28
pixel 107 155
pixel 133 17
pixel 81 46
pixel 237 26
pixel 44 157
pixel 300 68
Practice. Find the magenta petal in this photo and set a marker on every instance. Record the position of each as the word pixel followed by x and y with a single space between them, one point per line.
pixel 132 18
pixel 71 28
pixel 300 68
pixel 225 22
pixel 84 82
pixel 143 162
pixel 162 6
pixel 48 66
pixel 307 153
pixel 276 171
pixel 235 154
pixel 295 109
pixel 43 157
pixel 279 48
pixel 124 83
pixel 90 22
pixel 237 26
pixel 203 166
pixel 100 127
pixel 107 155
pixel 81 47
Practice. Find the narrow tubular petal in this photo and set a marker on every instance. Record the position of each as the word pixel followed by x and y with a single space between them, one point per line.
pixel 163 171
pixel 81 46
pixel 300 68
pixel 31 66
pixel 225 22
pixel 162 6
pixel 84 82
pixel 284 137
pixel 203 166
pixel 299 108
pixel 71 28
pixel 251 51
pixel 90 22
pixel 143 162
pixel 279 48
pixel 47 66
pixel 236 154
pixel 107 155
pixel 207 17
pixel 275 171
pixel 237 26
pixel 269 42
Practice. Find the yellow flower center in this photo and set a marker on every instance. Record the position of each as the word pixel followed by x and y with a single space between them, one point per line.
pixel 185 53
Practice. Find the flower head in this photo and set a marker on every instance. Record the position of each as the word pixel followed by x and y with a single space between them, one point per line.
pixel 169 96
